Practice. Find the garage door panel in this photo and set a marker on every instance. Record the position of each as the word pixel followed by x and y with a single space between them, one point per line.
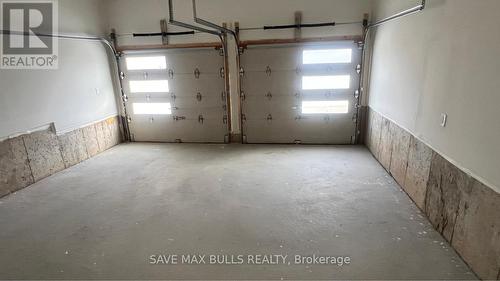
pixel 191 103
pixel 157 130
pixel 276 131
pixel 279 103
pixel 187 61
pixel 257 83
pixel 327 69
pixel 274 58
pixel 193 131
pixel 151 96
pixel 322 95
pixel 187 84
pixel 147 75
pixel 280 108
pixel 205 113
pixel 145 100
pixel 275 109
pixel 191 108
pixel 325 130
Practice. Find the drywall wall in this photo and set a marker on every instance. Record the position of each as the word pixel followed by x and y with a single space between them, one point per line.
pixel 443 60
pixel 80 92
pixel 128 16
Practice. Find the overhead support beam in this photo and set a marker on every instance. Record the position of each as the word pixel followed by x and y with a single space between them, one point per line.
pixel 215 45
pixel 247 43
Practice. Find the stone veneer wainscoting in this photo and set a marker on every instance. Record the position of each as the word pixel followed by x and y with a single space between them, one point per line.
pixel 465 211
pixel 29 158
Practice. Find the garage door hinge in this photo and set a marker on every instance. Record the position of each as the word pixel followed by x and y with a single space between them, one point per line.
pixel 179 118
pixel 201 119
pixel 298 70
pixel 358 68
pixel 242 72
pixel 222 72
pixel 243 118
pixel 269 117
pixel 223 96
pixel 243 96
pixel 197 73
pixel 199 97
pixel 221 52
pixel 129 120
pixel 224 119
pixel 173 96
pixel 269 71
pixel 122 75
pixel 171 73
pixel 269 96
pixel 361 45
pixel 356 94
pixel 355 118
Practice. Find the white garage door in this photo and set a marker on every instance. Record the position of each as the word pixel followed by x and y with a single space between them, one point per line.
pixel 300 94
pixel 176 96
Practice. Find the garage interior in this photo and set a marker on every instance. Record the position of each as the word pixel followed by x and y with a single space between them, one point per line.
pixel 251 140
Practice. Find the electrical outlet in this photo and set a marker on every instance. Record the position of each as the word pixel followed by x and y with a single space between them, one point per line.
pixel 444 119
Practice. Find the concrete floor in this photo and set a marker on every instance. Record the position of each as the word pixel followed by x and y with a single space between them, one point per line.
pixel 104 218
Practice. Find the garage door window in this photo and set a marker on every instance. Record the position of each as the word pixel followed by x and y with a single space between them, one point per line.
pixel 152 108
pixel 146 63
pixel 325 107
pixel 327 56
pixel 149 86
pixel 326 82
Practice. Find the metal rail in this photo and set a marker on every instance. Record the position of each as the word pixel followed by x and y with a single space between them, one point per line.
pixel 210 24
pixel 224 31
pixel 410 11
pixel 187 25
pixel 108 44
pixel 364 66
pixel 63 36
